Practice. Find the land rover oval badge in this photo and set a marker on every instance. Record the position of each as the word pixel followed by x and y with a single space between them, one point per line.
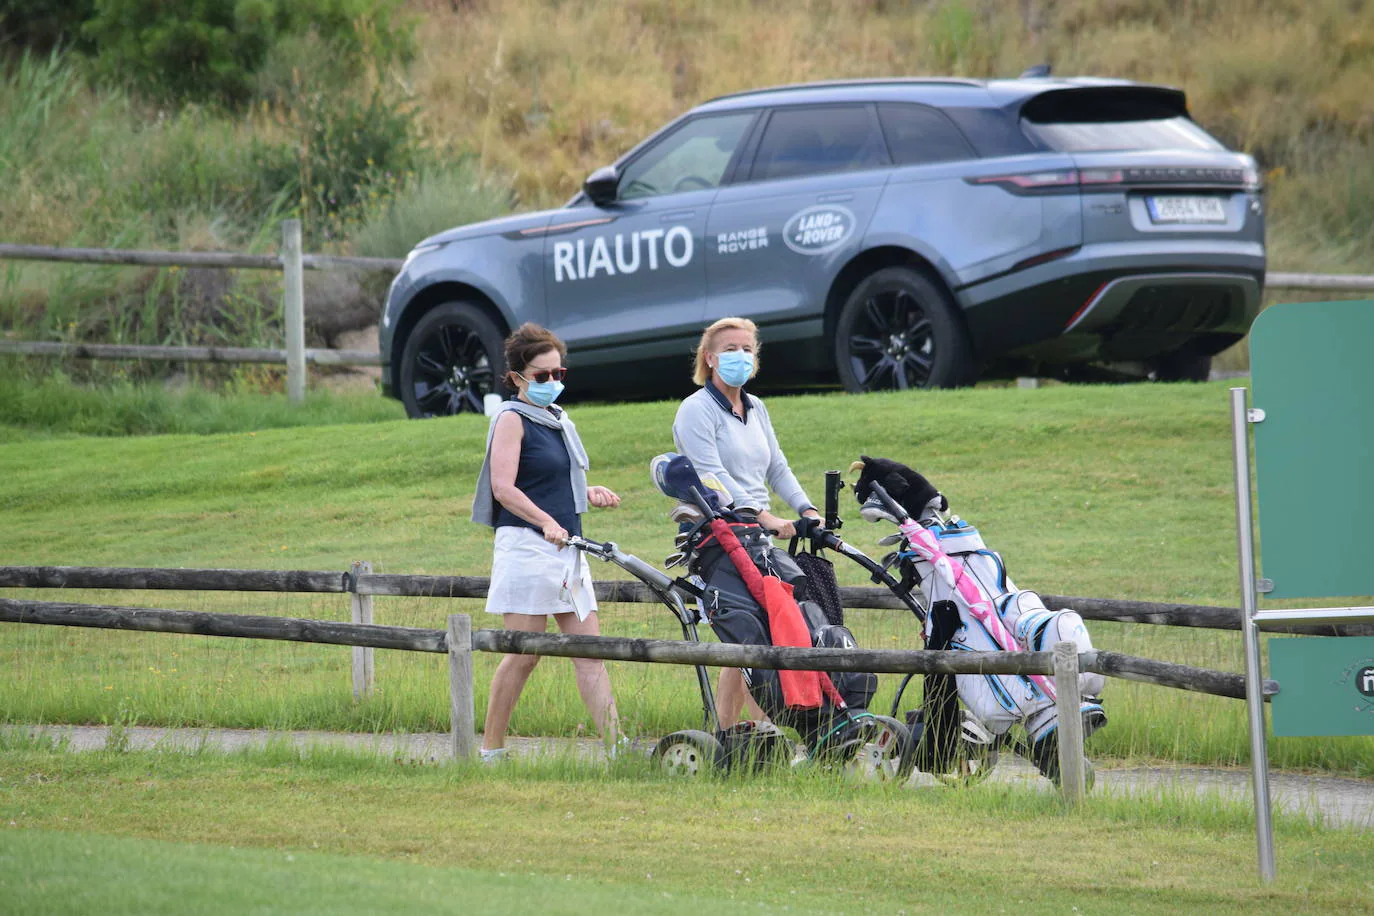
pixel 817 230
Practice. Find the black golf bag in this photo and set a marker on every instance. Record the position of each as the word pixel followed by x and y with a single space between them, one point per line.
pixel 737 616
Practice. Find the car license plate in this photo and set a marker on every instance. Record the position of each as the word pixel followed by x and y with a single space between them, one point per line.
pixel 1186 209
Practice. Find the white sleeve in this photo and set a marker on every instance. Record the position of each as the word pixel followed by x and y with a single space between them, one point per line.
pixel 694 433
pixel 780 476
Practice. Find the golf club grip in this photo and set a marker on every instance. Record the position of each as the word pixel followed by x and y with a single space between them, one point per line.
pixel 702 503
pixel 888 502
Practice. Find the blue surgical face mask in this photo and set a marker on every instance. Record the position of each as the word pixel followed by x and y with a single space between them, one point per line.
pixel 733 367
pixel 542 394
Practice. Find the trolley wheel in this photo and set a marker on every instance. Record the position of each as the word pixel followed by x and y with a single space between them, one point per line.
pixel 974 757
pixel 885 754
pixel 689 753
pixel 752 746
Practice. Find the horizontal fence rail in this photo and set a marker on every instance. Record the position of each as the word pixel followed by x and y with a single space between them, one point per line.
pixel 1350 282
pixel 223 259
pixel 654 651
pixel 319 357
pixel 614 591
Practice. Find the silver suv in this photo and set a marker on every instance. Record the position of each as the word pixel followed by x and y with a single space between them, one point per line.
pixel 897 233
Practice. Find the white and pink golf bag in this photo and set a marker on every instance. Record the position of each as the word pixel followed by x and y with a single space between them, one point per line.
pixel 955 565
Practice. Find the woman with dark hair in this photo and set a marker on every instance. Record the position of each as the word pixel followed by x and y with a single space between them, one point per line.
pixel 728 435
pixel 533 490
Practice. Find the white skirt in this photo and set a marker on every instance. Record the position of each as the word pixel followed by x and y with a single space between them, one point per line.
pixel 531 576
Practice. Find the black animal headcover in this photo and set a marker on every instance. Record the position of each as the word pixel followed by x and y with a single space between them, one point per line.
pixel 908 487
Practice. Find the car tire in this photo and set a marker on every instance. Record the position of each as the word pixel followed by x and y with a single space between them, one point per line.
pixel 1182 366
pixel 899 329
pixel 452 359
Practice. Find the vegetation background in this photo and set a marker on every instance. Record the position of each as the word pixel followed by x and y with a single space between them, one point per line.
pixel 200 125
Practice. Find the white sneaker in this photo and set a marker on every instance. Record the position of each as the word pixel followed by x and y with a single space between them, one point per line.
pixel 622 746
pixel 494 755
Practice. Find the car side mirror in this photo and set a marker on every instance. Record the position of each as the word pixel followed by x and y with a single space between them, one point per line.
pixel 601 185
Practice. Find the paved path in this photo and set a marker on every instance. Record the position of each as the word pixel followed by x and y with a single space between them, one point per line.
pixel 1333 800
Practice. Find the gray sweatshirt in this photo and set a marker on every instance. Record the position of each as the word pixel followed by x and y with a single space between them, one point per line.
pixel 743 456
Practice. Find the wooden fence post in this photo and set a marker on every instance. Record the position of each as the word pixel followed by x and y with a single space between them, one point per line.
pixel 1069 703
pixel 462 714
pixel 293 308
pixel 363 677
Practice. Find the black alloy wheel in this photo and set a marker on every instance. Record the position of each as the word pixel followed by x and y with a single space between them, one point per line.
pixel 898 330
pixel 451 361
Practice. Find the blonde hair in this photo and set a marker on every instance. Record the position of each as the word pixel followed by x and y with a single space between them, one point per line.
pixel 701 372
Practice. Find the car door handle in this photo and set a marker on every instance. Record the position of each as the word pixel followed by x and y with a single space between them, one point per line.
pixel 834 198
pixel 677 215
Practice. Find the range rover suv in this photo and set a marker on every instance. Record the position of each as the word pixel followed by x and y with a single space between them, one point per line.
pixel 893 233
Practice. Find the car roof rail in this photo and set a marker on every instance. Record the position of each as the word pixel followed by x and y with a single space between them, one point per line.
pixel 840 84
pixel 1039 71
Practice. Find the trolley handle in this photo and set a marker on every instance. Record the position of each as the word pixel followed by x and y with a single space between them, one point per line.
pixel 607 550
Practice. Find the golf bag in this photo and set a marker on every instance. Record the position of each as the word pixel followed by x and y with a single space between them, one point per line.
pixel 955 567
pixel 755 594
pixel 974 606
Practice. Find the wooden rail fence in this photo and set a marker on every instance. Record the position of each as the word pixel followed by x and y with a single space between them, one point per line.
pixel 459 641
pixel 615 591
pixel 291 262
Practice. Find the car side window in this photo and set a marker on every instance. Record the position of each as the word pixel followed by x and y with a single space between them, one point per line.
pixel 819 140
pixel 692 157
pixel 918 135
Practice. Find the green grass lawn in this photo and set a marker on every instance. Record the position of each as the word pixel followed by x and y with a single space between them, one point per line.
pixel 336 832
pixel 1111 491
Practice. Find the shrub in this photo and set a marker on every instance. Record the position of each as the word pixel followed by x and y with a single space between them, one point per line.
pixel 43 25
pixel 429 203
pixel 348 154
pixel 211 50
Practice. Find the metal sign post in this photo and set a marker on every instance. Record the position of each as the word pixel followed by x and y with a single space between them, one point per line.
pixel 1249 602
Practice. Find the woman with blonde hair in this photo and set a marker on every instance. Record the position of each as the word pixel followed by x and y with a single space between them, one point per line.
pixel 727 434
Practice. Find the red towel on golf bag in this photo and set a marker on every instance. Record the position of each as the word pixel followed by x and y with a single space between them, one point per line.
pixel 800 689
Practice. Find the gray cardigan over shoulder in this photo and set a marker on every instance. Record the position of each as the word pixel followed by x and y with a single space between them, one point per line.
pixel 484 504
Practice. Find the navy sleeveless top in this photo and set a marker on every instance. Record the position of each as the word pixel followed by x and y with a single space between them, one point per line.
pixel 545 476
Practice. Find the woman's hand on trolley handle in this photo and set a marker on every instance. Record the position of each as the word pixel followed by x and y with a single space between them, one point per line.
pixel 554 533
pixel 782 527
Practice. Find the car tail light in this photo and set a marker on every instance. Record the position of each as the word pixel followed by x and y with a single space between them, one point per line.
pixel 1047 182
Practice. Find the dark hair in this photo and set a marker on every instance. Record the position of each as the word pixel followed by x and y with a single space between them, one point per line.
pixel 528 341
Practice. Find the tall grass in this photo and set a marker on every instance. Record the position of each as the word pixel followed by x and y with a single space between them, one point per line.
pixel 430 202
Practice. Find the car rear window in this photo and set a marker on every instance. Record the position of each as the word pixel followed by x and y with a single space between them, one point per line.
pixel 1086 119
pixel 1080 137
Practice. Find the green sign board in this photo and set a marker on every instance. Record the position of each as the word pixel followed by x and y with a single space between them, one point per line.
pixel 1311 374
pixel 1326 685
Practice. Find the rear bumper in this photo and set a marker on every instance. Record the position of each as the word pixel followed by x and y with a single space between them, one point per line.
pixel 1125 301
